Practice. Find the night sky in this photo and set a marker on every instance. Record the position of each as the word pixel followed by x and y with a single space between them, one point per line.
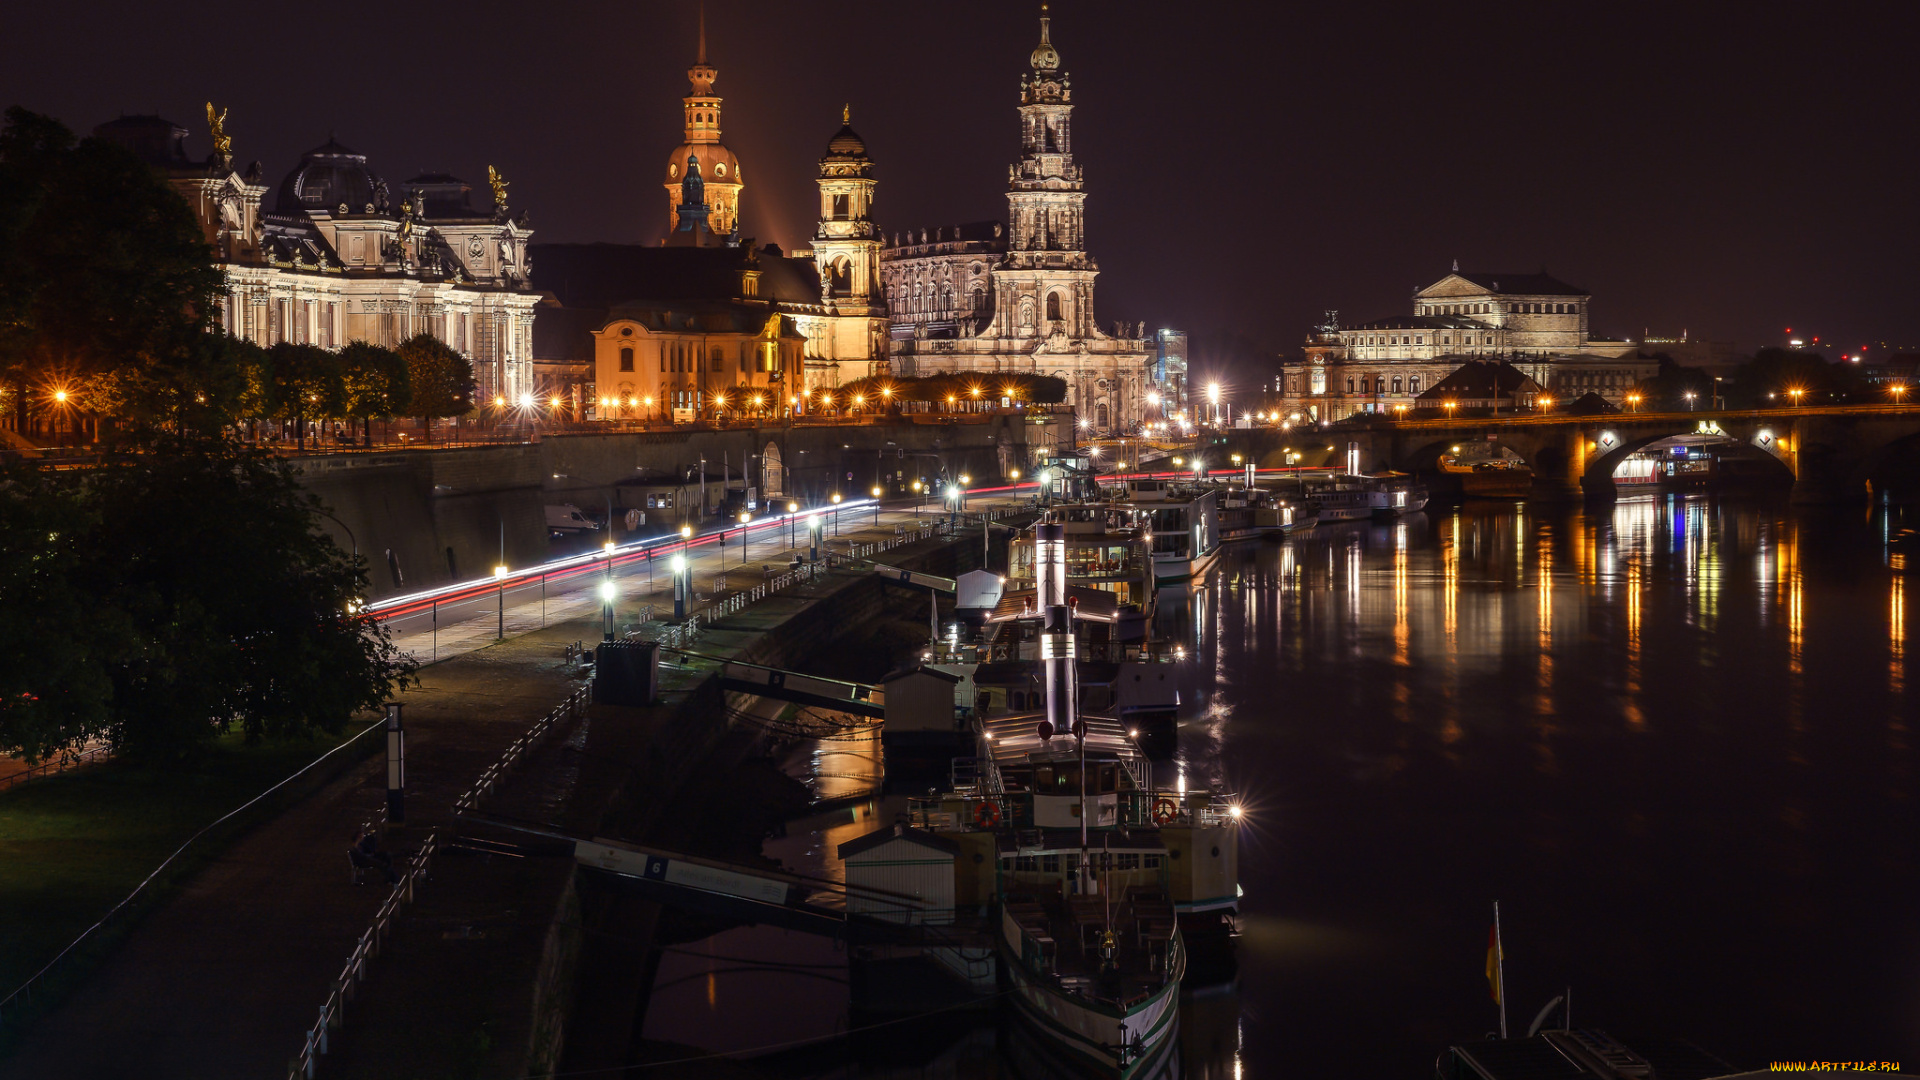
pixel 1727 170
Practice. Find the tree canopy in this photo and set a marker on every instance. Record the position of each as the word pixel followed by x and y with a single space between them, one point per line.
pixel 174 595
pixel 107 286
pixel 441 380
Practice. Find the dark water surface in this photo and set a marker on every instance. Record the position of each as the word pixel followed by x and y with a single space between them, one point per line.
pixel 1672 738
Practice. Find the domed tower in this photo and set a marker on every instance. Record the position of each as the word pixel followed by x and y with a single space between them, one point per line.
pixel 720 170
pixel 846 246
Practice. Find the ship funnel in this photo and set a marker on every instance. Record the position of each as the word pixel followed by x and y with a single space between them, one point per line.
pixel 1056 632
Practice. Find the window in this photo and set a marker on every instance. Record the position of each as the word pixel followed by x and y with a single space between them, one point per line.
pixel 663 359
pixel 1050 863
pixel 1413 385
pixel 1396 384
pixel 715 362
pixel 1127 860
pixel 1152 862
pixel 626 359
pixel 1053 306
pixel 1349 384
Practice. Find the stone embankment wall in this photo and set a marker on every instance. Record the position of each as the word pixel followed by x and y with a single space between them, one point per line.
pixel 430 517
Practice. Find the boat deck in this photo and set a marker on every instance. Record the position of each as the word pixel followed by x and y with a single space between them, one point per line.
pixel 1069 931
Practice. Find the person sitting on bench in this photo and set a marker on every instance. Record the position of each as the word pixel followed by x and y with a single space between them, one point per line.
pixel 366 853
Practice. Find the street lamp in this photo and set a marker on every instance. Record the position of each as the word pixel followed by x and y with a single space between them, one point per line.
pixel 680 588
pixel 744 531
pixel 607 593
pixel 919 489
pixel 1633 402
pixel 1898 390
pixel 835 512
pixel 1795 393
pixel 792 509
pixel 1689 396
pixel 1546 403
pixel 876 505
pixel 1450 405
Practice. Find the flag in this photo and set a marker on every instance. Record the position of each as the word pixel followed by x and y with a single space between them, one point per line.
pixel 1493 960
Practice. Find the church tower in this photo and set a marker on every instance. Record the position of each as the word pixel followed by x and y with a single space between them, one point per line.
pixel 719 169
pixel 1047 281
pixel 846 245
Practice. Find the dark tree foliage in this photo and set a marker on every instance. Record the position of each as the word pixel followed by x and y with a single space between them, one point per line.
pixel 107 286
pixel 440 378
pixel 376 383
pixel 57 645
pixel 1668 390
pixel 220 606
pixel 1777 372
pixel 308 383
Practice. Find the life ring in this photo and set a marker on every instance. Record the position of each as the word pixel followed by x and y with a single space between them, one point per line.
pixel 987 814
pixel 1164 811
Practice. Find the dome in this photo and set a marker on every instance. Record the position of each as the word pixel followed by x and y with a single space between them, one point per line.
pixel 327 178
pixel 847 144
pixel 717 163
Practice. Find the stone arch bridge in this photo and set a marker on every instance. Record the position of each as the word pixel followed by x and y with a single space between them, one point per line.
pixel 1832 454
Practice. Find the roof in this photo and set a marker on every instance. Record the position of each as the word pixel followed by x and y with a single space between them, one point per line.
pixel 1479 380
pixel 1093 605
pixel 329 176
pixel 846 144
pixel 1421 322
pixel 1590 404
pixel 1541 284
pixel 919 669
pixel 605 275
pixel 908 833
pixel 154 139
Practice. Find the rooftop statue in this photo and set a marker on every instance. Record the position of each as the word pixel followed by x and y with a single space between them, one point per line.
pixel 222 142
pixel 499 185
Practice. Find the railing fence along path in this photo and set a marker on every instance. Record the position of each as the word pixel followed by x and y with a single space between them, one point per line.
pixel 314 1042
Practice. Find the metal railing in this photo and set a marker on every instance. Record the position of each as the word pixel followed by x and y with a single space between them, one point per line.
pixel 333 1008
pixel 55 765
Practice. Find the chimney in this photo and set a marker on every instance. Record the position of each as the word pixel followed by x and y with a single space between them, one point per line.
pixel 1056 633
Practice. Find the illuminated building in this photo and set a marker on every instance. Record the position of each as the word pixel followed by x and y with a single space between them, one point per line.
pixel 337 255
pixel 987 298
pixel 705 159
pixel 1534 322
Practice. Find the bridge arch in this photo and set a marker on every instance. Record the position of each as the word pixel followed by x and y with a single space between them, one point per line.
pixel 1609 447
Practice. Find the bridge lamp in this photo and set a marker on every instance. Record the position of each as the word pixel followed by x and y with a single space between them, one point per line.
pixel 1898 390
pixel 1546 402
pixel 1795 395
pixel 1450 406
pixel 1689 396
pixel 1633 400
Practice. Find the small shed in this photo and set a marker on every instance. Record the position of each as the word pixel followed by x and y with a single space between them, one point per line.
pixel 899 874
pixel 923 698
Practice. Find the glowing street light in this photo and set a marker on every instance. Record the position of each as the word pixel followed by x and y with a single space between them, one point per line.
pixel 876 504
pixel 1898 390
pixel 744 534
pixel 1795 393
pixel 1633 402
pixel 1450 405
pixel 607 594
pixel 500 590
pixel 1689 396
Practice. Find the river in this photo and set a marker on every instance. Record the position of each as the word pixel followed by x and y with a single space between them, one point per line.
pixel 1671 737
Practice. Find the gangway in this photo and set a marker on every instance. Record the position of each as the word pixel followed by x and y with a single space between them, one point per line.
pixel 914 577
pixel 797 687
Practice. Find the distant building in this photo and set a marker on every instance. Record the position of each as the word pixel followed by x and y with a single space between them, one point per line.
pixel 1482 384
pixel 1170 370
pixel 703 322
pixel 984 299
pixel 1534 322
pixel 338 255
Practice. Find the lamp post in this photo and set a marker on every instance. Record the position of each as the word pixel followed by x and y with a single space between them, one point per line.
pixel 1795 395
pixel 607 592
pixel 1689 396
pixel 680 588
pixel 919 489
pixel 500 591
pixel 876 506
pixel 1633 402
pixel 792 509
pixel 814 528
pixel 396 765
pixel 835 499
pixel 744 518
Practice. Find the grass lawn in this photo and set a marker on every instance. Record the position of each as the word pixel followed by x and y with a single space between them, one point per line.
pixel 74 844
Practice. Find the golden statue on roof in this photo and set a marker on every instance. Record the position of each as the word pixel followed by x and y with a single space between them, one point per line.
pixel 222 142
pixel 499 185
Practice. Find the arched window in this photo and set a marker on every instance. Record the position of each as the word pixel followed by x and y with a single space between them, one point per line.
pixel 1053 307
pixel 1413 385
pixel 1396 384
pixel 1349 384
pixel 626 359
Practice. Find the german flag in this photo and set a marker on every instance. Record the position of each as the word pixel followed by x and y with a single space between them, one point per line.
pixel 1493 960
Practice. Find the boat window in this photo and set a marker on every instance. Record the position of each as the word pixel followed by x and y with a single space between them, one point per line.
pixel 1128 860
pixel 1152 862
pixel 1050 863
pixel 1043 778
pixel 1107 779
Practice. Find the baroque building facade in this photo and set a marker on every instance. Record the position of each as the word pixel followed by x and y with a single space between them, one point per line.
pixel 338 256
pixel 988 298
pixel 1533 322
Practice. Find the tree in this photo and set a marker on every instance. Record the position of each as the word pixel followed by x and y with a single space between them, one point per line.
pixel 1668 390
pixel 217 604
pixel 107 285
pixel 1766 381
pixel 441 379
pixel 56 642
pixel 308 382
pixel 376 383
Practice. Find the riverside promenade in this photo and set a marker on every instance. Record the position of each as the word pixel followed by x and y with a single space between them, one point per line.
pixel 227 976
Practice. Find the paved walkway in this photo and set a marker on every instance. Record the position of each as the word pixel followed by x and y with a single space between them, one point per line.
pixel 223 980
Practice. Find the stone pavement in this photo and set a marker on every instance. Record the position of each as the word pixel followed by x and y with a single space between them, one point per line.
pixel 224 980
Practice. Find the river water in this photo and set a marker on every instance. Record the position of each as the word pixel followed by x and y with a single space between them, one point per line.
pixel 1672 737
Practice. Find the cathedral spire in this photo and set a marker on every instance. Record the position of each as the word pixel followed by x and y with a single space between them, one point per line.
pixel 1045 57
pixel 701 57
